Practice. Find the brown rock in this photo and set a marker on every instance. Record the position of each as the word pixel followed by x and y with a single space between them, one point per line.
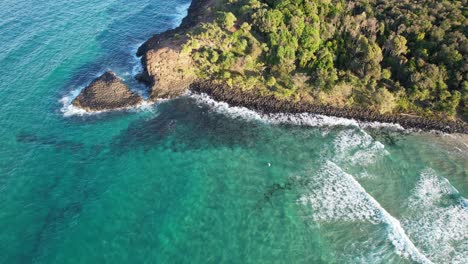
pixel 105 93
pixel 170 72
pixel 166 70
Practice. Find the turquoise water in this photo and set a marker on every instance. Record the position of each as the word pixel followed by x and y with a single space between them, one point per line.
pixel 195 181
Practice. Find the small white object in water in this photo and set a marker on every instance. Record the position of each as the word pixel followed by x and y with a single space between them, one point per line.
pixel 269 164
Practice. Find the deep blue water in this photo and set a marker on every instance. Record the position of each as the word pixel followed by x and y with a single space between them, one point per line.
pixel 195 181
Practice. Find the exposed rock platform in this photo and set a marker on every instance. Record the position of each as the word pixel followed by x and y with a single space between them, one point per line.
pixel 106 92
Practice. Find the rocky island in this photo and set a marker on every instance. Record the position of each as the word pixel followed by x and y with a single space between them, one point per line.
pixel 389 61
pixel 105 93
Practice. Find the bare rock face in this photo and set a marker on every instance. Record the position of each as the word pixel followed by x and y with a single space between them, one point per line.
pixel 171 72
pixel 106 92
pixel 166 69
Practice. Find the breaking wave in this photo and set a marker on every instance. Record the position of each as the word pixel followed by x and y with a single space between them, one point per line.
pixel 181 12
pixel 335 195
pixel 439 220
pixel 357 147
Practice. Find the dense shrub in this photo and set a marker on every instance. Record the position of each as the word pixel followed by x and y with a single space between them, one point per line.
pixel 397 55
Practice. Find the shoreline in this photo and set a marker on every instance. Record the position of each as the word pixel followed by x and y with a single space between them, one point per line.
pixel 271 105
pixel 199 12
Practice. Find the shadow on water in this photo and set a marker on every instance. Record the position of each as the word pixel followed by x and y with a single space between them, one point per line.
pixel 62 211
pixel 183 125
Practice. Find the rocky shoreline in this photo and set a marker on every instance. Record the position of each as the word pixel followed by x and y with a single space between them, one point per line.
pixel 162 61
pixel 165 72
pixel 270 104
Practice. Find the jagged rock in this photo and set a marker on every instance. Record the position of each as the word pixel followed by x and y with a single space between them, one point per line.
pixel 166 69
pixel 105 93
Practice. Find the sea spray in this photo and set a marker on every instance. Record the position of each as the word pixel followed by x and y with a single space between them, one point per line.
pixel 357 147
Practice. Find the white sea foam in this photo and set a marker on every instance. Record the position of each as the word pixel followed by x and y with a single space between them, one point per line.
pixel 439 220
pixel 375 124
pixel 180 13
pixel 304 119
pixel 225 108
pixel 335 195
pixel 136 63
pixel 67 108
pixel 357 147
pixel 301 119
pixel 307 119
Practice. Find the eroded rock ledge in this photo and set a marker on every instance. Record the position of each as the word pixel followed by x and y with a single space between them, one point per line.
pixel 270 104
pixel 105 93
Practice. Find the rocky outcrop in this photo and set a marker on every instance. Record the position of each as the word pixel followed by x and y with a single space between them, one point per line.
pixel 105 93
pixel 169 73
pixel 166 69
pixel 270 104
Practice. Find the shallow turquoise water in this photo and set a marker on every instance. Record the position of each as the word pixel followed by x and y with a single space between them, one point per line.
pixel 194 181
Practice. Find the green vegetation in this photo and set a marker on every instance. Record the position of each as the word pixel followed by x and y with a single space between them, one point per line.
pixel 392 56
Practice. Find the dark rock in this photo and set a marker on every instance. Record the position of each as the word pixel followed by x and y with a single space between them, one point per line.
pixel 105 93
pixel 270 104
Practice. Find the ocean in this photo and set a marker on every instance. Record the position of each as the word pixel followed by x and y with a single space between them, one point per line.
pixel 192 180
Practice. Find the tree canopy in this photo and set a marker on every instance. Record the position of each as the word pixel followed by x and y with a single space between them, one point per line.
pixel 398 56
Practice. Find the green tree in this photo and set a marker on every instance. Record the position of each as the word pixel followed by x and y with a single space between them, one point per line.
pixel 227 20
pixel 397 45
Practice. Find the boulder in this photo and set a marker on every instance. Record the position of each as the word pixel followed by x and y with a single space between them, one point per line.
pixel 106 92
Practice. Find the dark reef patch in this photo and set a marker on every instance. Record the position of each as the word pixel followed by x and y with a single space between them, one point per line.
pixel 201 128
pixel 30 138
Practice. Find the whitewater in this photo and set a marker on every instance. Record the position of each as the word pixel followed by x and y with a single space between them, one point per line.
pixel 193 180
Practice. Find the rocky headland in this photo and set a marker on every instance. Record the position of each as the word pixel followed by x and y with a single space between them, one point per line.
pixel 169 73
pixel 106 92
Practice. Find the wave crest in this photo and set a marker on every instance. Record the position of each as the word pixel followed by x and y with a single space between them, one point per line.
pixel 335 195
pixel 439 220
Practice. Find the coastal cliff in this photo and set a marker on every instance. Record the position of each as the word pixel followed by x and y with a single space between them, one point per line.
pixel 167 70
pixel 170 72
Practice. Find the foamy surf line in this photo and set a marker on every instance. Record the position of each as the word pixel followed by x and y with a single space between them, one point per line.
pixel 439 219
pixel 181 12
pixel 137 67
pixel 355 204
pixel 301 119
